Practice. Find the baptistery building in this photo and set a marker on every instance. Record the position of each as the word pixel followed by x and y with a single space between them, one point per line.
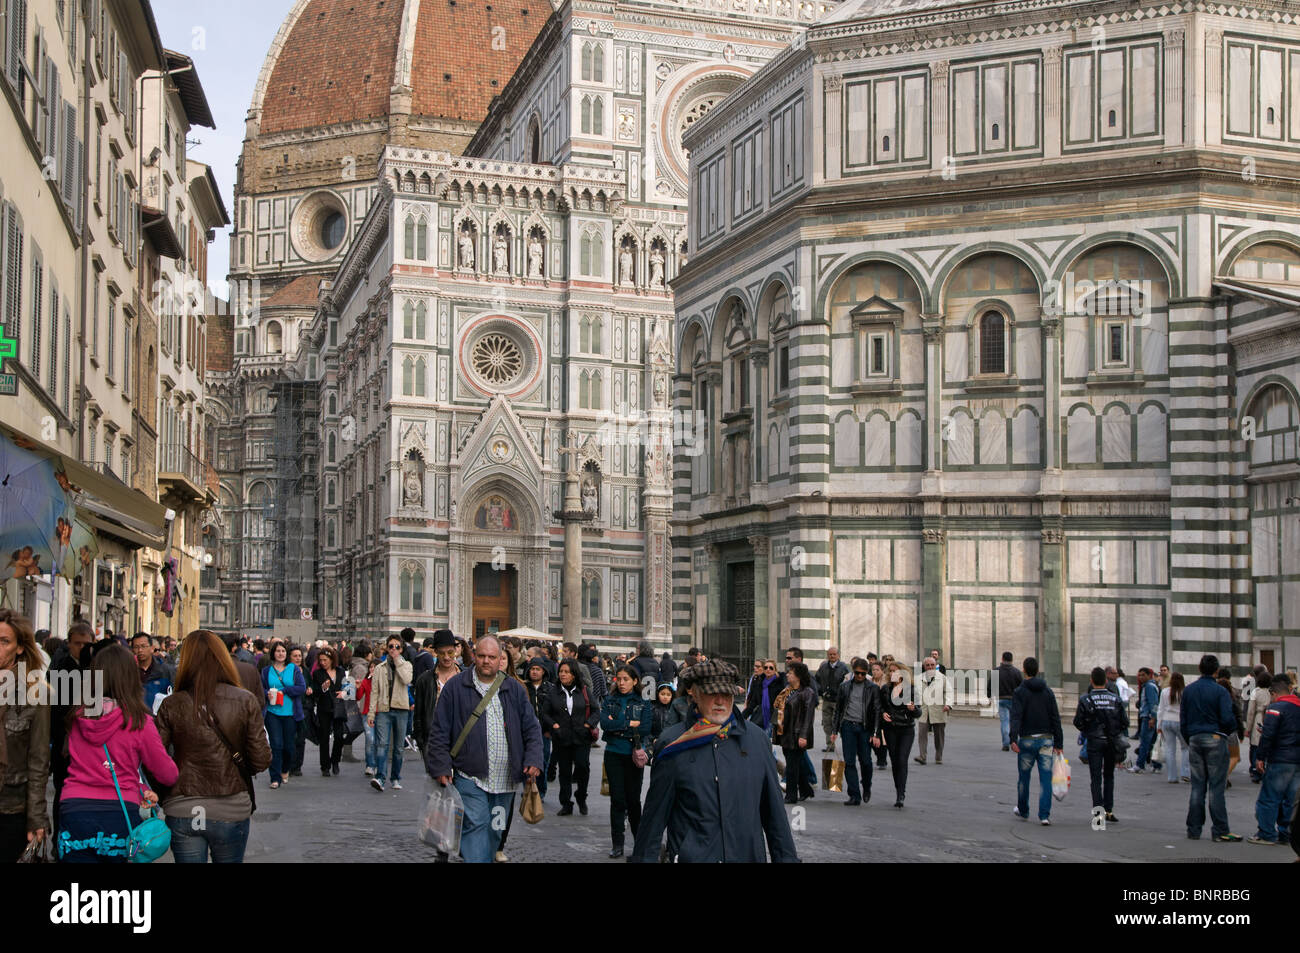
pixel 991 323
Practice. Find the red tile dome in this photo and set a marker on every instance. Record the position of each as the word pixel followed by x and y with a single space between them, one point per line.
pixel 335 61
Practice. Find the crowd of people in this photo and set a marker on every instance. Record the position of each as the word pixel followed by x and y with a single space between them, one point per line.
pixel 186 727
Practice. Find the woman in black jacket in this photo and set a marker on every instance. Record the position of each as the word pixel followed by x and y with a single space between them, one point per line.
pixel 794 730
pixel 771 684
pixel 898 714
pixel 569 716
pixel 538 686
pixel 331 712
pixel 663 706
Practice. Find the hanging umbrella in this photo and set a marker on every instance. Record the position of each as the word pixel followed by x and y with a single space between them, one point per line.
pixel 80 548
pixel 34 511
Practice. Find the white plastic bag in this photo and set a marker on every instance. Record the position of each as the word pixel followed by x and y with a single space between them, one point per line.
pixel 442 819
pixel 1060 777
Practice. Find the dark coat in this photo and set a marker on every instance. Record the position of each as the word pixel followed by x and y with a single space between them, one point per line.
pixel 901 716
pixel 677 711
pixel 1102 718
pixel 574 729
pixel 1279 742
pixel 718 802
pixel 458 701
pixel 1034 712
pixel 327 704
pixel 800 706
pixel 754 704
pixel 871 708
pixel 536 695
pixel 617 712
pixel 426 700
pixel 667 669
pixel 648 667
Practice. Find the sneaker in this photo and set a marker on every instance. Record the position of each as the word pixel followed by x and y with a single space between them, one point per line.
pixel 1226 838
pixel 397 785
pixel 1046 822
pixel 1111 819
pixel 1006 747
pixel 500 857
pixel 370 772
pixel 1263 841
pixel 377 784
pixel 1016 812
pixel 1137 770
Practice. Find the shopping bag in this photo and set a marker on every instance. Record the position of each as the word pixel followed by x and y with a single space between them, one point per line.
pixel 1060 777
pixel 832 775
pixel 530 805
pixel 442 819
pixel 1158 752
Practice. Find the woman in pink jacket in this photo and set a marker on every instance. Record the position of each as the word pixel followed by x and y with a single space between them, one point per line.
pixel 118 731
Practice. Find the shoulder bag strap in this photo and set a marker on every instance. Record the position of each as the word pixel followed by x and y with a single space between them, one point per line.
pixel 236 756
pixel 118 788
pixel 477 713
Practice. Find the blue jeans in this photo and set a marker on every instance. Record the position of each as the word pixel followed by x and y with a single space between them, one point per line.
pixel 1208 754
pixel 1173 741
pixel 1147 736
pixel 370 745
pixel 1278 791
pixel 857 747
pixel 226 841
pixel 1004 718
pixel 282 733
pixel 485 821
pixel 388 734
pixel 1035 750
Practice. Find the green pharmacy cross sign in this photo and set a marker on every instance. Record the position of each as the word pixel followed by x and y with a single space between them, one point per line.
pixel 8 349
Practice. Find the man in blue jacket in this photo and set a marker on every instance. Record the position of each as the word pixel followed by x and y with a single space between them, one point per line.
pixel 1278 756
pixel 1148 704
pixel 1205 722
pixel 486 750
pixel 714 786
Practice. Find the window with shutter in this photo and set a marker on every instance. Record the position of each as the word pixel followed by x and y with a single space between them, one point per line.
pixel 38 299
pixel 109 371
pixel 67 361
pixel 54 340
pixel 13 269
pixel 68 157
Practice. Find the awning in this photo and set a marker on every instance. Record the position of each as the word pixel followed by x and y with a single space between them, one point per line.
pixel 160 233
pixel 129 514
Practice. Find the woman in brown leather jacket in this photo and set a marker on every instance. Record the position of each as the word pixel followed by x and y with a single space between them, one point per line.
pixel 209 722
pixel 794 727
pixel 25 743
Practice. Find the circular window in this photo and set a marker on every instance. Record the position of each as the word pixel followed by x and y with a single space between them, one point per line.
pixel 319 226
pixel 332 229
pixel 497 359
pixel 687 102
pixel 500 355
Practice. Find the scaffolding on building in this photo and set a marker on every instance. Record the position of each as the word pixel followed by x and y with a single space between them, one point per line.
pixel 296 454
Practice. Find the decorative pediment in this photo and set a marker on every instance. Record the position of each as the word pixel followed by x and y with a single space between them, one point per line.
pixel 414 437
pixel 876 310
pixel 500 444
pixel 737 329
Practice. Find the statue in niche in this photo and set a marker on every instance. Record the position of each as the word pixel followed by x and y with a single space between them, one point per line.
pixel 500 254
pixel 659 337
pixel 412 485
pixel 466 242
pixel 656 267
pixel 590 497
pixel 660 390
pixel 534 256
pixel 625 265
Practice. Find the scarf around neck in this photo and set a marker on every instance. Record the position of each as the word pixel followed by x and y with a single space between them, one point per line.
pixel 701 733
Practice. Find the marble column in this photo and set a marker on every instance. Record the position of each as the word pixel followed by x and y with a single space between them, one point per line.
pixel 573 517
pixel 1052 552
pixel 764 644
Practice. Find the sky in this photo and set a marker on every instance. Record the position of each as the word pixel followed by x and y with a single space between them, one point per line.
pixel 228 41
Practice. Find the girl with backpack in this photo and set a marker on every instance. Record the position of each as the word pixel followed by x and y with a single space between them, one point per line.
pixel 107 750
pixel 569 716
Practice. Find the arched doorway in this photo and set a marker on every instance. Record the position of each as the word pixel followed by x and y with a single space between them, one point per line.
pixel 498 561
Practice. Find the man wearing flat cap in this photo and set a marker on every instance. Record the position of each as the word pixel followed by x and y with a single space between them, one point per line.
pixel 714 785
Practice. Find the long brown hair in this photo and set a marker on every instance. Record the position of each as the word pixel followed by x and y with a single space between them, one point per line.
pixel 205 663
pixel 1176 686
pixel 28 652
pixel 121 682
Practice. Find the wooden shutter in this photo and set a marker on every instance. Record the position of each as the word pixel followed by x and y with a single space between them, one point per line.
pixel 68 157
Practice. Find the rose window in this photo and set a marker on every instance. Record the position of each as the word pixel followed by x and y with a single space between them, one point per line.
pixel 497 359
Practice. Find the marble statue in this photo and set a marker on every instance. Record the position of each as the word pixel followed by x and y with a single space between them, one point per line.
pixel 412 489
pixel 534 257
pixel 500 263
pixel 656 268
pixel 625 266
pixel 467 249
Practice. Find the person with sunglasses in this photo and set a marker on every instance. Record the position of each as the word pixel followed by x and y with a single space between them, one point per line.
pixel 759 707
pixel 857 718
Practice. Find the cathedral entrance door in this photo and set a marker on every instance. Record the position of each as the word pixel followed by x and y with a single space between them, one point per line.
pixel 494 604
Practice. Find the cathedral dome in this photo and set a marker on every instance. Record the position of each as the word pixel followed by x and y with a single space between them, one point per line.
pixel 339 61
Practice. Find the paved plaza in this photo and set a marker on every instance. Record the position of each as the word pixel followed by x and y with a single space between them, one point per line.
pixel 956 812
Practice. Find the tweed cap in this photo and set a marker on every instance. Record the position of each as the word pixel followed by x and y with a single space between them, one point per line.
pixel 714 677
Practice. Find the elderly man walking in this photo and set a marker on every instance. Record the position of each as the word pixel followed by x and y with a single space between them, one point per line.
pixel 485 739
pixel 714 786
pixel 830 675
